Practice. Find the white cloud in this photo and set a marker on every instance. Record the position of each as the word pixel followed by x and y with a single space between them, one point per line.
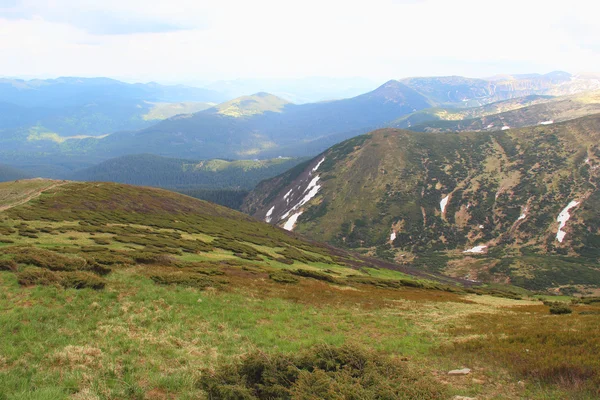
pixel 187 39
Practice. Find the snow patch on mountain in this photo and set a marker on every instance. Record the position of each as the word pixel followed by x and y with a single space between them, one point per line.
pixel 312 188
pixel 546 123
pixel 443 203
pixel 287 195
pixel 563 217
pixel 291 222
pixel 477 249
pixel 523 214
pixel 269 213
pixel 318 165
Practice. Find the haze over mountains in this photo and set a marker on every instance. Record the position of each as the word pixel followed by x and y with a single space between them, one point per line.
pixel 72 120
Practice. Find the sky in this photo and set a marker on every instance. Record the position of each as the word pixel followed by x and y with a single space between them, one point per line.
pixel 182 41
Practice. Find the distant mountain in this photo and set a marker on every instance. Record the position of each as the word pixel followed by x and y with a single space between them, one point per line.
pixel 10 174
pixel 151 170
pixel 298 91
pixel 519 205
pixel 120 119
pixel 468 92
pixel 513 113
pixel 71 92
pixel 264 125
pixel 39 114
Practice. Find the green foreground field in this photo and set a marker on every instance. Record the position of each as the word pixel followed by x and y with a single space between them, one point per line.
pixel 116 292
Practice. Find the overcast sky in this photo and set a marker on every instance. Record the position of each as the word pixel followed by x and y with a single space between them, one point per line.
pixel 197 40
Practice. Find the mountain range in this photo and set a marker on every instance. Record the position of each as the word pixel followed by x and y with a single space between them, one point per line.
pixel 84 128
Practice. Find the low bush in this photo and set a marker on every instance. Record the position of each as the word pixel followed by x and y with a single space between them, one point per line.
pixel 283 277
pixel 81 280
pixel 314 275
pixel 46 259
pixel 560 309
pixel 8 265
pixel 153 258
pixel 320 372
pixel 294 254
pixel 286 261
pixel 108 258
pixel 188 279
pixel 30 277
pixel 101 241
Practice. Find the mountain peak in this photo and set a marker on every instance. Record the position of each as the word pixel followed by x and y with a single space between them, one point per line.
pixel 256 104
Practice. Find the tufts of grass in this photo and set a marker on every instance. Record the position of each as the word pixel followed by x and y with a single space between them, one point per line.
pixel 537 346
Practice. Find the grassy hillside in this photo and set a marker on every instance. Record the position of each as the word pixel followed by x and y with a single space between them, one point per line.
pixel 432 199
pixel 112 291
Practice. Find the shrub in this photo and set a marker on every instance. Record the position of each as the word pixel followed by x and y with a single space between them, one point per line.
pixel 46 259
pixel 314 274
pixel 81 280
pixel 101 241
pixel 183 279
pixel 286 261
pixel 321 372
pixel 31 277
pixel 294 254
pixel 560 309
pixel 8 265
pixel 152 258
pixel 283 277
pixel 107 258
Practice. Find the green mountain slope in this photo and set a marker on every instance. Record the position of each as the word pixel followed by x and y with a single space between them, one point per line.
pixel 483 205
pixel 129 223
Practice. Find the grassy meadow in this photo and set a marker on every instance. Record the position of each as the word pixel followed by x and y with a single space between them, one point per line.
pixel 115 292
